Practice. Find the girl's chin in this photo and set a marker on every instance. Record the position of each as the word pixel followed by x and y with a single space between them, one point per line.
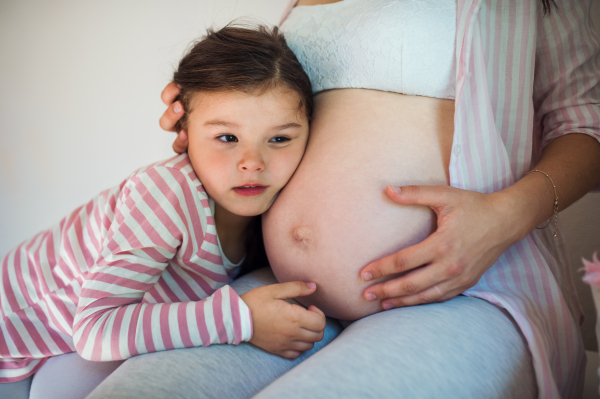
pixel 248 210
pixel 248 206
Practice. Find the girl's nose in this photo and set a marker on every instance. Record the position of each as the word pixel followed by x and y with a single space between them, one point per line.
pixel 252 161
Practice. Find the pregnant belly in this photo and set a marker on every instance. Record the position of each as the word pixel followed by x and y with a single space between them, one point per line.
pixel 334 216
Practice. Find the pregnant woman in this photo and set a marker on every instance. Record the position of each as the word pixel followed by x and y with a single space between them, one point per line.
pixel 414 189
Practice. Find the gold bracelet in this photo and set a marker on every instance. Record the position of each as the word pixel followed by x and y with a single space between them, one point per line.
pixel 555 202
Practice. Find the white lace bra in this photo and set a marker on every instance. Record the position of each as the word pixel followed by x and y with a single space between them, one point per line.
pixel 402 46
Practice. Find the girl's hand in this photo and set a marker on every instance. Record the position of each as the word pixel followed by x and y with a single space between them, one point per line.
pixel 280 327
pixel 173 113
pixel 473 231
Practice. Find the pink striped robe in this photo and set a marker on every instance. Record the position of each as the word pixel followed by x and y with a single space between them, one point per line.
pixel 523 80
pixel 138 269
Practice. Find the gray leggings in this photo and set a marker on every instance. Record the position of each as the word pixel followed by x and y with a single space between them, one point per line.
pixel 463 348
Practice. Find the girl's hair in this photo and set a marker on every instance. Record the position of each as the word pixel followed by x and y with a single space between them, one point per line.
pixel 548 6
pixel 239 58
pixel 247 59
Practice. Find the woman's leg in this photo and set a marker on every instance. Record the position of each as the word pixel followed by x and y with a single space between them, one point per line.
pixel 218 371
pixel 16 390
pixel 69 377
pixel 463 348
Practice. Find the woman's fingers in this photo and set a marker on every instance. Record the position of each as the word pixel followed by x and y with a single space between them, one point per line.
pixel 438 198
pixel 402 261
pixel 415 282
pixel 169 119
pixel 431 196
pixel 471 234
pixel 180 144
pixel 174 111
pixel 170 93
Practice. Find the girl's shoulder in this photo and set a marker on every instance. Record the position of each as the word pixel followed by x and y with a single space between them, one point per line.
pixel 169 179
pixel 179 164
pixel 177 168
pixel 165 198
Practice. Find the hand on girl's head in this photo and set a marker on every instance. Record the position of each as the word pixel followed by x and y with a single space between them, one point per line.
pixel 233 59
pixel 172 115
pixel 174 111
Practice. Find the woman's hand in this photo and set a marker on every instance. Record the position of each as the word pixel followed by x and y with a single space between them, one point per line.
pixel 173 113
pixel 280 327
pixel 473 231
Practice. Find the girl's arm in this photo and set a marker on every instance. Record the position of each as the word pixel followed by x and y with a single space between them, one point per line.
pixel 154 222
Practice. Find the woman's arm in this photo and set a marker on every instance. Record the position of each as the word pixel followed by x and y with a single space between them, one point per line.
pixel 474 229
pixel 573 163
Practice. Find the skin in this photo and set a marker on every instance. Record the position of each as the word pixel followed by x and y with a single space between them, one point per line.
pixel 334 216
pixel 235 140
pixel 473 229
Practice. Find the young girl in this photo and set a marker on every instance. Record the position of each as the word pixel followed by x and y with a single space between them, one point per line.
pixel 144 266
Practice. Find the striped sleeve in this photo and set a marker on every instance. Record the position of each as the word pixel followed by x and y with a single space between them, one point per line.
pixel 111 322
pixel 566 91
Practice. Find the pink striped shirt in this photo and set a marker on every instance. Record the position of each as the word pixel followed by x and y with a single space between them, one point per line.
pixel 522 80
pixel 137 269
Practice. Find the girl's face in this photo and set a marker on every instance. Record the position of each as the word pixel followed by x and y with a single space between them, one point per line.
pixel 244 148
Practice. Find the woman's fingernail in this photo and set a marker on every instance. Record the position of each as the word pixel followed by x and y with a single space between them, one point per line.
pixel 370 297
pixel 395 189
pixel 183 136
pixel 312 285
pixel 367 276
pixel 387 306
pixel 177 107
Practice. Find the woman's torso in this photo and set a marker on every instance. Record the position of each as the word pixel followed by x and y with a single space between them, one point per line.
pixel 334 217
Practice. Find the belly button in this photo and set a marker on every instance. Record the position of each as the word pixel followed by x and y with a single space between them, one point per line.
pixel 301 236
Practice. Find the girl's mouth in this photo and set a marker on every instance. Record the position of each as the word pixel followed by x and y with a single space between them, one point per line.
pixel 250 190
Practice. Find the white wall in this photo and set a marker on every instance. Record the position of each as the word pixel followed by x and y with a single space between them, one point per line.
pixel 79 102
pixel 80 85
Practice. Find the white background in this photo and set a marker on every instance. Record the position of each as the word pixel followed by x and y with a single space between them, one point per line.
pixel 79 102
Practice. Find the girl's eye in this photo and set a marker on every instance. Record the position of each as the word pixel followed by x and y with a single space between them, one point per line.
pixel 228 138
pixel 279 139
